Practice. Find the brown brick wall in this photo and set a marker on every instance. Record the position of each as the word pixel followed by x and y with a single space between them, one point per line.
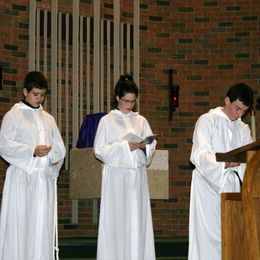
pixel 209 44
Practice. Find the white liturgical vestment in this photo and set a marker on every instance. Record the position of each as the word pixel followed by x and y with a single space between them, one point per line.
pixel 214 132
pixel 125 225
pixel 28 204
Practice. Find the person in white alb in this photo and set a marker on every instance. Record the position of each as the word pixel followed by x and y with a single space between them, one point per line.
pixel 125 224
pixel 219 130
pixel 30 142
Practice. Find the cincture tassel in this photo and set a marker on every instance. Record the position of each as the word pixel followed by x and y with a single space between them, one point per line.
pixel 55 224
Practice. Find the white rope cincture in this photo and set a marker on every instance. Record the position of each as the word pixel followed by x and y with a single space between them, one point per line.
pixel 55 224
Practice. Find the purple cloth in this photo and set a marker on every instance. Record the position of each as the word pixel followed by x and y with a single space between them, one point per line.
pixel 88 130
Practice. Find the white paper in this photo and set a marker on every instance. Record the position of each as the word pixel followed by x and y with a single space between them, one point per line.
pixel 131 137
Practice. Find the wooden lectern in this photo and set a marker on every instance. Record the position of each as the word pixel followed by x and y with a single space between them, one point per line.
pixel 240 212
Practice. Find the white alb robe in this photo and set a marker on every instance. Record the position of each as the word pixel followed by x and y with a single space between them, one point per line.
pixel 125 224
pixel 28 204
pixel 214 132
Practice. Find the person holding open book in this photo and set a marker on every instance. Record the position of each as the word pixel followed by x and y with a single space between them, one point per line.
pixel 219 130
pixel 125 224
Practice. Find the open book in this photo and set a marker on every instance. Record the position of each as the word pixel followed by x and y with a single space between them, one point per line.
pixel 131 137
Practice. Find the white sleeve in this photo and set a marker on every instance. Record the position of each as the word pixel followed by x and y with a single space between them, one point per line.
pixel 247 139
pixel 150 148
pixel 58 150
pixel 15 153
pixel 202 154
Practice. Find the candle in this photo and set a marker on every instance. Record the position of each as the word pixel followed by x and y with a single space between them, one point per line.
pixel 253 125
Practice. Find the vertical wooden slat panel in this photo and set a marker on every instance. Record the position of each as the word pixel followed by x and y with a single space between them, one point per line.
pixel 67 89
pixel 108 65
pixel 102 66
pixel 37 39
pixel 96 55
pixel 88 64
pixel 59 70
pixel 45 38
pixel 116 59
pixel 136 43
pixel 75 69
pixel 54 11
pixel 128 58
pixel 96 81
pixel 31 54
pixel 45 49
pixel 75 89
pixel 122 48
pixel 81 81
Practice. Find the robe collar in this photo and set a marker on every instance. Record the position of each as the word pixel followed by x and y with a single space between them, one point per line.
pixel 119 113
pixel 219 111
pixel 25 105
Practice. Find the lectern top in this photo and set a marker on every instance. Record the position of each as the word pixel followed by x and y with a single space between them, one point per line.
pixel 238 154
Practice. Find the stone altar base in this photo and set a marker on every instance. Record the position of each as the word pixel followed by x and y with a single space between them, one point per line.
pixel 86 175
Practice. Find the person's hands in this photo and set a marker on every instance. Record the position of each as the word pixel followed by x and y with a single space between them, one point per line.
pixel 41 150
pixel 231 164
pixel 133 146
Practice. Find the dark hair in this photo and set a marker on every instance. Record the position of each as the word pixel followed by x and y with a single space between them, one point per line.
pixel 243 93
pixel 125 85
pixel 35 79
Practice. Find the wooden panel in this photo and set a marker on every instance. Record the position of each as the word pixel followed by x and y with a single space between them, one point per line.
pixel 232 227
pixel 251 205
pixel 241 219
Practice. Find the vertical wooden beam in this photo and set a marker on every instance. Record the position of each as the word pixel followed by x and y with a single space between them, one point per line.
pixel 45 50
pixel 96 61
pixel 88 64
pixel 136 44
pixel 102 66
pixel 128 60
pixel 81 68
pixel 75 89
pixel 45 38
pixel 108 65
pixel 54 11
pixel 67 90
pixel 116 59
pixel 37 58
pixel 75 71
pixel 60 70
pixel 121 49
pixel 31 54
